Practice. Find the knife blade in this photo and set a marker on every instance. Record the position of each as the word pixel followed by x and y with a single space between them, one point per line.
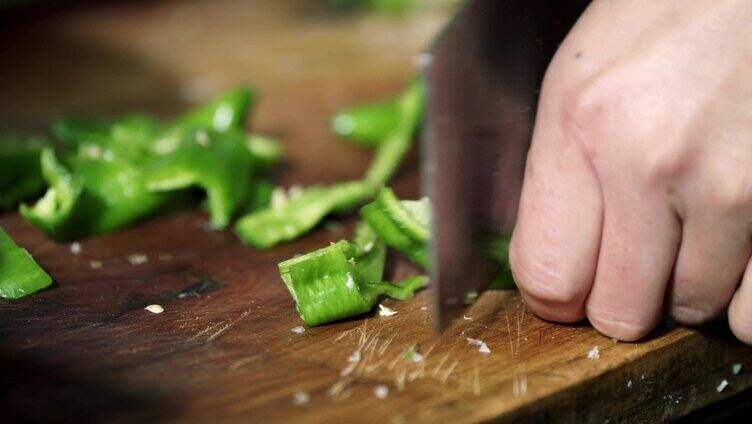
pixel 483 82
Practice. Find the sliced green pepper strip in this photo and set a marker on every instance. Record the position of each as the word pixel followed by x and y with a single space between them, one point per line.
pixel 403 290
pixel 367 125
pixel 274 225
pixel 115 193
pixel 342 280
pixel 53 212
pixel 266 151
pixel 20 174
pixel 100 194
pixel 403 225
pixel 20 275
pixel 218 162
pixel 74 131
pixel 300 213
pixel 393 149
pixel 229 111
pixel 260 197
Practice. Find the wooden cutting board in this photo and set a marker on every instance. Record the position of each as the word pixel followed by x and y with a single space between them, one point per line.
pixel 223 349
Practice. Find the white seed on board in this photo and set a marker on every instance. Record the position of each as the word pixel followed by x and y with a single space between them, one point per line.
pixel 155 309
pixel 385 311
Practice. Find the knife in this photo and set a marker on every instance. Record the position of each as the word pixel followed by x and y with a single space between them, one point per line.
pixel 483 80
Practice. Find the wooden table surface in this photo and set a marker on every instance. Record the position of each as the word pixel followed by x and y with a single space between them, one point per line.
pixel 223 349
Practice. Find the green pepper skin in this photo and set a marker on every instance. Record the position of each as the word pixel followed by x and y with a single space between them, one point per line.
pixel 269 227
pixel 266 151
pixel 54 211
pixel 228 112
pixel 260 197
pixel 299 214
pixel 218 162
pixel 20 275
pixel 20 174
pixel 114 174
pixel 98 196
pixel 367 125
pixel 395 146
pixel 72 131
pixel 342 280
pixel 403 225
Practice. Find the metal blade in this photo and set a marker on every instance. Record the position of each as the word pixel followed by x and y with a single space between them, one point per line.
pixel 483 84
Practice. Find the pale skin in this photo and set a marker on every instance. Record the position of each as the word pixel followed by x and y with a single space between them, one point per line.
pixel 637 198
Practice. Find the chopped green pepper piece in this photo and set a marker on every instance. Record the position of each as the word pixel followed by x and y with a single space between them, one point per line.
pixel 300 214
pixel 53 212
pixel 20 275
pixel 367 125
pixel 342 280
pixel 227 112
pixel 75 131
pixel 393 149
pixel 114 174
pixel 218 162
pixel 20 175
pixel 403 225
pixel 296 215
pixel 100 195
pixel 260 197
pixel 266 151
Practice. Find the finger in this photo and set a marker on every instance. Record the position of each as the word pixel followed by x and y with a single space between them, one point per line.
pixel 712 258
pixel 555 242
pixel 740 308
pixel 638 249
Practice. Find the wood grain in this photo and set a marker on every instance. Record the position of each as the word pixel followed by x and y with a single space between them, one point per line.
pixel 86 349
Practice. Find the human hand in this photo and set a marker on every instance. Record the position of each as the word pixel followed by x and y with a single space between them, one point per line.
pixel 638 187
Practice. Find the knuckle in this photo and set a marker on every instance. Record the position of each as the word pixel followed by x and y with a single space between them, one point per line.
pixel 730 193
pixel 610 125
pixel 619 323
pixel 581 116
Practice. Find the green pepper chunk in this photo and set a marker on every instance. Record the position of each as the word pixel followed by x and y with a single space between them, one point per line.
pixel 301 213
pixel 342 280
pixel 53 212
pixel 367 125
pixel 100 194
pixel 20 174
pixel 403 225
pixel 218 162
pixel 114 174
pixel 260 196
pixel 266 151
pixel 395 146
pixel 20 275
pixel 74 131
pixel 298 213
pixel 227 112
